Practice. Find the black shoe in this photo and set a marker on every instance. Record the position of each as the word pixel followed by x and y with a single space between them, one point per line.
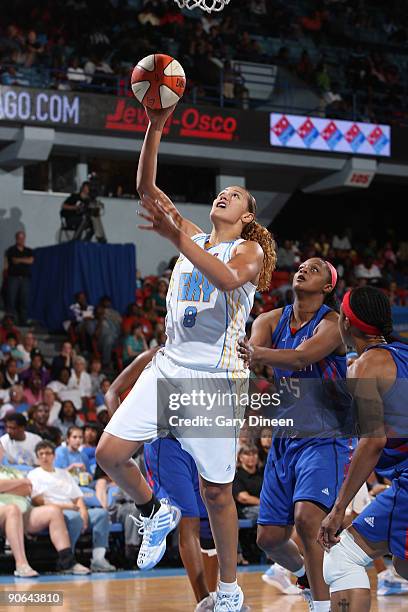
pixel 303 583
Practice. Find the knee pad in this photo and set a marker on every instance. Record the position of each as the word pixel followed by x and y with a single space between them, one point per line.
pixel 344 565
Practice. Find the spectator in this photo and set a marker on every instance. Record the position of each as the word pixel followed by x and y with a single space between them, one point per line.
pixel 63 360
pixel 100 397
pixel 159 297
pixel 75 74
pixel 63 391
pixel 38 424
pixel 53 406
pixel 286 256
pixel 122 509
pixel 102 415
pixel 17 402
pixel 91 437
pixel 368 270
pixel 67 417
pixel 56 486
pixel 248 483
pixel 134 344
pixel 11 376
pixel 80 380
pixel 18 262
pixel 95 372
pixel 17 444
pixel 11 349
pixel 29 343
pixel 108 329
pixel 264 443
pixel 71 458
pixel 341 241
pixel 7 327
pixel 17 516
pixel 34 49
pixel 159 339
pixel 37 369
pixel 34 391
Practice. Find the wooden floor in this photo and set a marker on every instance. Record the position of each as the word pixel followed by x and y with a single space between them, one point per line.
pixel 167 594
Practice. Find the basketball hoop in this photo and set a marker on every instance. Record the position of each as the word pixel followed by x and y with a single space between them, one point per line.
pixel 205 5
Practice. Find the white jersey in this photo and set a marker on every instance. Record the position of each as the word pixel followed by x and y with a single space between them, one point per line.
pixel 203 324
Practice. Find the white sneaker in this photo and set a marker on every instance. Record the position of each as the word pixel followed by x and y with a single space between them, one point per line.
pixel 207 604
pixel 279 577
pixel 229 602
pixel 77 569
pixel 102 565
pixel 155 529
pixel 389 583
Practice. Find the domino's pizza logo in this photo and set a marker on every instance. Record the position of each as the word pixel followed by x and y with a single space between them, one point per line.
pixel 332 135
pixel 354 137
pixel 283 130
pixel 377 139
pixel 308 132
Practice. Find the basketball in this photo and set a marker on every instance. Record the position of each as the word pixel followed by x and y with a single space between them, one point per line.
pixel 158 81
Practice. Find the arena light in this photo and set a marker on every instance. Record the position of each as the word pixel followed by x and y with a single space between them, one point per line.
pixel 330 135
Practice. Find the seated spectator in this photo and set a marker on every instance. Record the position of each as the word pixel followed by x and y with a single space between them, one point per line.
pixel 76 74
pixel 91 438
pixel 52 404
pixel 11 376
pixel 80 380
pixel 34 391
pixel 71 458
pixel 17 402
pixel 81 324
pixel 121 510
pixel 107 330
pixel 56 486
pixel 102 415
pixel 39 416
pixel 248 483
pixel 95 372
pixel 36 369
pixel 368 270
pixel 286 256
pixel 134 344
pixel 100 397
pixel 10 348
pixel 17 517
pixel 17 445
pixel 159 297
pixel 29 343
pixel 131 317
pixel 63 391
pixel 264 443
pixel 64 359
pixel 7 327
pixel 67 418
pixel 159 339
pixel 341 241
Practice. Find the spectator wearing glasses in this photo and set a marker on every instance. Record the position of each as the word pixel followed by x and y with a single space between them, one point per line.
pixel 56 486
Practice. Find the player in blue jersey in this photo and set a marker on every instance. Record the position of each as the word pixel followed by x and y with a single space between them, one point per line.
pixel 172 474
pixel 303 473
pixel 209 300
pixel 378 381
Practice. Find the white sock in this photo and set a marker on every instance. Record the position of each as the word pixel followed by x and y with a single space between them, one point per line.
pixel 321 606
pixel 98 553
pixel 227 587
pixel 300 572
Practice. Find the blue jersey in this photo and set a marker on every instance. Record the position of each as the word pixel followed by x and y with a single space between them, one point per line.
pixel 394 458
pixel 319 409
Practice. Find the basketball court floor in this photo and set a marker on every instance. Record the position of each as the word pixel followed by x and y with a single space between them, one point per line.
pixel 160 591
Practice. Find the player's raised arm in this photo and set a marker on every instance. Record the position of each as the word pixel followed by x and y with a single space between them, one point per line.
pixel 147 169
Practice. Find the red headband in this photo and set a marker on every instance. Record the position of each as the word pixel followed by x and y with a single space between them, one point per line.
pixel 333 273
pixel 355 321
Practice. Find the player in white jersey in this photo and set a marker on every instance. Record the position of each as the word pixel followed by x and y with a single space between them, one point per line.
pixel 210 296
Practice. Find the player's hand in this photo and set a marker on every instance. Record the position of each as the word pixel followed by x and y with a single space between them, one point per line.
pixel 245 352
pixel 160 220
pixel 330 528
pixel 158 117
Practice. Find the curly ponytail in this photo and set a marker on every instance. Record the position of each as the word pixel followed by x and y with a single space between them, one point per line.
pixel 256 232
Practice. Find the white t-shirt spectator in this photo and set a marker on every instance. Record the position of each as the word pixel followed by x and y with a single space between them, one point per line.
pixel 342 243
pixel 56 487
pixel 21 451
pixel 65 393
pixel 83 384
pixel 361 271
pixel 26 356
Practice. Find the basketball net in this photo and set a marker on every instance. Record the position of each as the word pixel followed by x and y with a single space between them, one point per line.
pixel 205 5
